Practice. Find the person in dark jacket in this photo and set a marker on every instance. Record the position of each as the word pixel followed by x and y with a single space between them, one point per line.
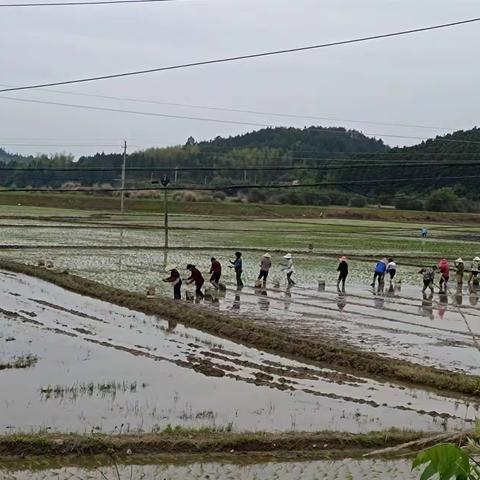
pixel 343 272
pixel 216 272
pixel 175 280
pixel 197 278
pixel 237 265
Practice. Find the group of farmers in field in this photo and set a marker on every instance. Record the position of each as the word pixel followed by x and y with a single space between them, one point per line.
pixel 383 269
pixel 443 268
pixel 196 277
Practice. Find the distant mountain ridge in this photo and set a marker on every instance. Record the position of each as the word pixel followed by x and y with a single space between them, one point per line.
pixel 343 160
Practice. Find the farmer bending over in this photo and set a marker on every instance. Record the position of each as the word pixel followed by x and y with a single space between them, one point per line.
pixel 428 278
pixel 216 272
pixel 175 280
pixel 380 269
pixel 445 274
pixel 197 278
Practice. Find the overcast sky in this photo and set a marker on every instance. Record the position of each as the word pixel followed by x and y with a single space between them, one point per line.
pixel 429 79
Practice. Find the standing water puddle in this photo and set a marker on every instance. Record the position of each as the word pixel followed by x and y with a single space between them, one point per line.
pixel 100 367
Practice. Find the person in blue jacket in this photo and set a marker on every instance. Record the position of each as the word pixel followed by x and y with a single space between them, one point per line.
pixel 237 265
pixel 380 269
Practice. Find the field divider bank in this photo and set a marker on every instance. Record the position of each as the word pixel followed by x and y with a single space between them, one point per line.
pixel 324 352
pixel 185 441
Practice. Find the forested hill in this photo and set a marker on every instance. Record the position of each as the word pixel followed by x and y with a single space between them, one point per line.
pixel 345 164
pixel 265 148
pixel 313 140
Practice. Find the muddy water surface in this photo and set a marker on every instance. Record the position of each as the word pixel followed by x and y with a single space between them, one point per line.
pixel 325 470
pixel 105 368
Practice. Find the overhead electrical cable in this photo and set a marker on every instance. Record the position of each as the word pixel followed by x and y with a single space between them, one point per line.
pixel 216 120
pixel 246 111
pixel 74 3
pixel 242 57
pixel 207 119
pixel 237 187
pixel 239 168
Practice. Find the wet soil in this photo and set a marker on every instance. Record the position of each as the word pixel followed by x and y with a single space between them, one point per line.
pixel 55 445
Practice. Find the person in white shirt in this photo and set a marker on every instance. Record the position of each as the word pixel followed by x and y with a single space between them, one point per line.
pixel 288 269
pixel 391 269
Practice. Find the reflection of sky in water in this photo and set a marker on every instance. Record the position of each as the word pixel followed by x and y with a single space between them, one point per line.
pixel 312 470
pixel 175 370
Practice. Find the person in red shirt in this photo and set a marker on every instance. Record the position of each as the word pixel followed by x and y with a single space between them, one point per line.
pixel 216 271
pixel 445 274
pixel 197 278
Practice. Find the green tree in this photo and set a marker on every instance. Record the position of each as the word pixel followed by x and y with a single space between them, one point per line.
pixel 443 200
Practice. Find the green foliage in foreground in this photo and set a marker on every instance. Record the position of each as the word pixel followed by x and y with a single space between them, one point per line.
pixel 447 461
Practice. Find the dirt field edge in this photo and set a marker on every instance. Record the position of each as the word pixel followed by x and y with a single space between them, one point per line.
pixel 192 442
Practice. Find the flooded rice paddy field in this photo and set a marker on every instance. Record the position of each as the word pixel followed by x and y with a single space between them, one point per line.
pixel 333 236
pixel 439 331
pixel 102 368
pixel 312 470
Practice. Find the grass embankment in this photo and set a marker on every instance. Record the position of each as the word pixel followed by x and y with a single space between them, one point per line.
pixel 81 201
pixel 321 351
pixel 185 441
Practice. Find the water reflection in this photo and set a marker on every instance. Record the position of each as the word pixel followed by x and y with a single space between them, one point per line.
pixel 236 302
pixel 378 300
pixel 426 307
pixel 287 298
pixel 443 304
pixel 473 294
pixel 341 301
pixel 263 301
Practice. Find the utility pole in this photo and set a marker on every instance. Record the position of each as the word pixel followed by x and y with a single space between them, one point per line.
pixel 165 181
pixel 123 176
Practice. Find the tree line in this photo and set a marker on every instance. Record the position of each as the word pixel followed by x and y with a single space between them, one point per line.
pixel 440 172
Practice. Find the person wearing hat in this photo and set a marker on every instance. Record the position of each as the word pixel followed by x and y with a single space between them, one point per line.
pixel 343 272
pixel 428 278
pixel 288 269
pixel 459 271
pixel 197 278
pixel 215 271
pixel 237 265
pixel 474 270
pixel 444 268
pixel 175 280
pixel 265 265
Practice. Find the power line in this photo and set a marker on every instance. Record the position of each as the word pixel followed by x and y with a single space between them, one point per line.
pixel 242 168
pixel 94 2
pixel 57 145
pixel 207 119
pixel 135 112
pixel 216 120
pixel 242 57
pixel 247 111
pixel 237 187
